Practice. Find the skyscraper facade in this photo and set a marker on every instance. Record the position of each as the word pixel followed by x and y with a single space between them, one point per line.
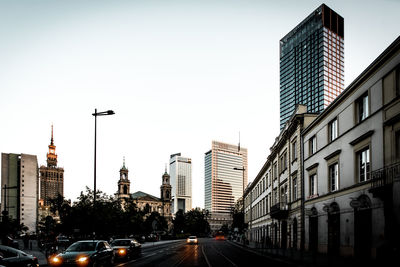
pixel 51 176
pixel 312 63
pixel 223 184
pixel 20 189
pixel 181 181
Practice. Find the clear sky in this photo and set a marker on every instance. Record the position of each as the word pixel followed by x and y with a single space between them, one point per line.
pixel 178 74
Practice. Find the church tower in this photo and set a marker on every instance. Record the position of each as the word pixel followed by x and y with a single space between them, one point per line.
pixel 123 183
pixel 166 195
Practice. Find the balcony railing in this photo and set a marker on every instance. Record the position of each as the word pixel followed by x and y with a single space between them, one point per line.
pixel 280 210
pixel 383 177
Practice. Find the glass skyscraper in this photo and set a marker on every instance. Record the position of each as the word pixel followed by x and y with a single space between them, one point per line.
pixel 312 63
pixel 181 181
pixel 223 184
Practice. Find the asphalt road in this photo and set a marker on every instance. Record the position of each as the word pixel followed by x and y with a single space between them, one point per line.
pixel 208 252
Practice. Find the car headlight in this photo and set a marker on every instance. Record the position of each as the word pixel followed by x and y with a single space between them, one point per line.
pixel 82 259
pixel 121 251
pixel 55 260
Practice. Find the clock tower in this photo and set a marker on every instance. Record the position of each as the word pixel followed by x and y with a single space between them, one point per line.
pixel 123 183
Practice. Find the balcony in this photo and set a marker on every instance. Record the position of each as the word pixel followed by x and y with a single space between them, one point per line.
pixel 279 211
pixel 382 180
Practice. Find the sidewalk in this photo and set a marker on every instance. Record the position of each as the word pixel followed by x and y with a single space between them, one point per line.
pixel 305 258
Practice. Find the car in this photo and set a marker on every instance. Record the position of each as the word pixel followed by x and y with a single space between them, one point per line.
pixel 85 253
pixel 14 257
pixel 192 239
pixel 125 249
pixel 220 236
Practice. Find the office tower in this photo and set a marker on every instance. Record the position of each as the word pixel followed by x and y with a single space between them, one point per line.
pixel 51 176
pixel 180 169
pixel 20 189
pixel 312 63
pixel 225 173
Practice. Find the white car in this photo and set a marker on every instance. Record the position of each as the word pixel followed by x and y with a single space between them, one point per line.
pixel 191 239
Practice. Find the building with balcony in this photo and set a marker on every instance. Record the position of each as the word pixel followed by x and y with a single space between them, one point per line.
pixel 273 202
pixel 351 166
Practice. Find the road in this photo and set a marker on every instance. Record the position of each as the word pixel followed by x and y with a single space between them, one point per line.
pixel 209 253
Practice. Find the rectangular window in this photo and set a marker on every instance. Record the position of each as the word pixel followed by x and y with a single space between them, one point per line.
pixel 397 144
pixel 274 171
pixel 333 130
pixel 334 177
pixel 362 108
pixel 363 165
pixel 294 151
pixel 313 185
pixel 295 188
pixel 312 145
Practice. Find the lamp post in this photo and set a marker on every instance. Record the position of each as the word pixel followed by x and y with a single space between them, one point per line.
pixel 95 114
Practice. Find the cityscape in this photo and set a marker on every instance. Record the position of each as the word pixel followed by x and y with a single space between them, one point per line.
pixel 99 167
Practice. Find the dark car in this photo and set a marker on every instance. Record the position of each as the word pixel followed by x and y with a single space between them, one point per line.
pixel 13 257
pixel 125 249
pixel 85 253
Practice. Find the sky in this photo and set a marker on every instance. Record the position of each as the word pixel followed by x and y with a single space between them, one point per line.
pixel 177 74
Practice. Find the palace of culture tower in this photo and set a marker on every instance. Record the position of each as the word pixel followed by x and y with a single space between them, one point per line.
pixel 51 176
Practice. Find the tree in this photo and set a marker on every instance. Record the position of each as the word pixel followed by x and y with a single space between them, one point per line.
pixel 192 222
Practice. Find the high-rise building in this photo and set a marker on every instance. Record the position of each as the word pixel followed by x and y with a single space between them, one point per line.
pixel 225 173
pixel 180 169
pixel 312 63
pixel 51 176
pixel 20 188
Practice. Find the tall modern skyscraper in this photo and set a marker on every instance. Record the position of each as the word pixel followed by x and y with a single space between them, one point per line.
pixel 180 169
pixel 312 63
pixel 20 188
pixel 223 185
pixel 51 176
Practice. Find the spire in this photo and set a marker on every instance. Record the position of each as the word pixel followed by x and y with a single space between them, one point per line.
pixel 165 167
pixel 52 140
pixel 123 166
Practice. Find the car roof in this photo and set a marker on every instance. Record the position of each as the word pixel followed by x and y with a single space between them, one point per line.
pixel 13 249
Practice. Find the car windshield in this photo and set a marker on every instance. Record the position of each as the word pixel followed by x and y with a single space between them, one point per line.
pixel 121 243
pixel 82 246
pixel 192 237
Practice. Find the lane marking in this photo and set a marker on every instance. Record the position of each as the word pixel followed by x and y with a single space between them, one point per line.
pixel 220 253
pixel 205 256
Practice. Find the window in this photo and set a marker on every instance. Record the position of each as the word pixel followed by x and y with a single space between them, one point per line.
pixel 312 145
pixel 334 177
pixel 294 150
pixel 295 188
pixel 363 165
pixel 274 171
pixel 397 144
pixel 283 160
pixel 313 184
pixel 333 130
pixel 362 108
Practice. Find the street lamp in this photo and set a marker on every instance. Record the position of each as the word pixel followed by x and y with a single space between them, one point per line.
pixel 95 114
